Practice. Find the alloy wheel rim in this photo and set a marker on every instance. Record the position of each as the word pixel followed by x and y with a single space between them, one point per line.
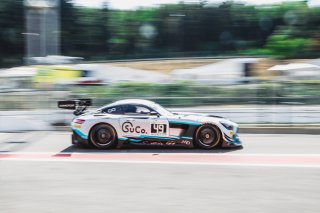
pixel 103 137
pixel 207 136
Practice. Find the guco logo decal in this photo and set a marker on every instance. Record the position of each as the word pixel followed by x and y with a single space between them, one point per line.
pixel 128 127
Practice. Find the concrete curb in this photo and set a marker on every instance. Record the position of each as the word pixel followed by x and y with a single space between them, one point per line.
pixel 257 129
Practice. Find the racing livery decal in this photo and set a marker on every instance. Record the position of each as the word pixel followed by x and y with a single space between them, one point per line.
pixel 128 127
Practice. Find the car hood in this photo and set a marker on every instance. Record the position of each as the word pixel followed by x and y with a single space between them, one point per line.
pixel 197 114
pixel 203 118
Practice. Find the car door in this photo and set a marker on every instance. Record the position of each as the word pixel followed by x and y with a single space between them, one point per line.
pixel 138 122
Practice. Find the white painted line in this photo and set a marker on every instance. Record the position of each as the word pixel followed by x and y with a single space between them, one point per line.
pixel 161 162
pixel 4 137
pixel 8 145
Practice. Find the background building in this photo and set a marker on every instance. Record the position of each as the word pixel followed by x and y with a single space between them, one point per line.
pixel 42 28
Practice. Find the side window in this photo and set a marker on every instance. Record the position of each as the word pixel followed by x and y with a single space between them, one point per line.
pixel 113 110
pixel 131 109
pixel 141 110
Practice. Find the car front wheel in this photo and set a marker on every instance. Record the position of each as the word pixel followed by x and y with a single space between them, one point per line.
pixel 208 136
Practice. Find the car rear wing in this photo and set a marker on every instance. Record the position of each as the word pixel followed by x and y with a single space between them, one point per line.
pixel 79 105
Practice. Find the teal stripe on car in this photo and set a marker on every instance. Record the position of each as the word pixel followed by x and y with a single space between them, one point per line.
pixel 134 140
pixel 122 139
pixel 185 122
pixel 138 139
pixel 155 137
pixel 130 140
pixel 81 134
pixel 188 138
pixel 165 138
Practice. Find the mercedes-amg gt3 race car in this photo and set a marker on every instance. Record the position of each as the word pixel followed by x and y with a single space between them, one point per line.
pixel 143 122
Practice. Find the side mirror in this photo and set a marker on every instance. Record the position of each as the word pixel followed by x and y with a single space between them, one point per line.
pixel 154 113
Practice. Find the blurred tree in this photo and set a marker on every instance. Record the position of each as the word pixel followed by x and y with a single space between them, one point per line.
pixel 284 46
pixel 68 26
pixel 181 29
pixel 11 32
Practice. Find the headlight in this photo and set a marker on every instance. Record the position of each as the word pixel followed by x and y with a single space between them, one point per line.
pixel 227 126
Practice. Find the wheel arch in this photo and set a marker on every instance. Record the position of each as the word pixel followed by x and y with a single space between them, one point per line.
pixel 209 124
pixel 215 124
pixel 99 123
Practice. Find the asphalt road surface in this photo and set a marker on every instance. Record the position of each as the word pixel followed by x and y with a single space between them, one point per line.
pixel 42 172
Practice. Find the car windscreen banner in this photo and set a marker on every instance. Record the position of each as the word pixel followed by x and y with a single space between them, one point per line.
pixel 67 104
pixel 74 104
pixel 84 102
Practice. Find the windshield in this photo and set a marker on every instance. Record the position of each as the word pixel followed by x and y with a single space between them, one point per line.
pixel 161 110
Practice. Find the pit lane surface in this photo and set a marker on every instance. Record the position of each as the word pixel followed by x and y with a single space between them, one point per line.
pixel 41 172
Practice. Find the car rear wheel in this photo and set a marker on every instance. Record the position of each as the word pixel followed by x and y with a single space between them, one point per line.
pixel 208 136
pixel 103 136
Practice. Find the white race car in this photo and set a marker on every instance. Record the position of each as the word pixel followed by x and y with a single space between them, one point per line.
pixel 143 122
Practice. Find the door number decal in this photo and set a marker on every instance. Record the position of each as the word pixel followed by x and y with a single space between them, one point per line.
pixel 159 128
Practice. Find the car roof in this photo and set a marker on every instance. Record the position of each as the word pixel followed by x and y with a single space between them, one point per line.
pixel 134 101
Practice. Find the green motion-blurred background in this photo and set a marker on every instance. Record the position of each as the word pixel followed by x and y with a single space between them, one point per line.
pixel 268 52
pixel 286 30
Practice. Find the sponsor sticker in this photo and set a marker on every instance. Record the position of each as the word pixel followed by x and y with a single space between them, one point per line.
pixel 128 127
pixel 159 128
pixel 111 110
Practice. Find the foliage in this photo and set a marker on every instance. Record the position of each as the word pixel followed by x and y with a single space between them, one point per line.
pixel 283 46
pixel 285 30
pixel 11 32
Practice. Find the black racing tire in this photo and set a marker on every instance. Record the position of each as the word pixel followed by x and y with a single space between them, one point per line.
pixel 103 136
pixel 208 136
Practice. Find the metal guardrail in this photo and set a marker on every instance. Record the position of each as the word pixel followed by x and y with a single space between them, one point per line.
pixel 287 110
pixel 168 59
pixel 47 99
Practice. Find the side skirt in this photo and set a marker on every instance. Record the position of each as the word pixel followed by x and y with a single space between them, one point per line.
pixel 167 142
